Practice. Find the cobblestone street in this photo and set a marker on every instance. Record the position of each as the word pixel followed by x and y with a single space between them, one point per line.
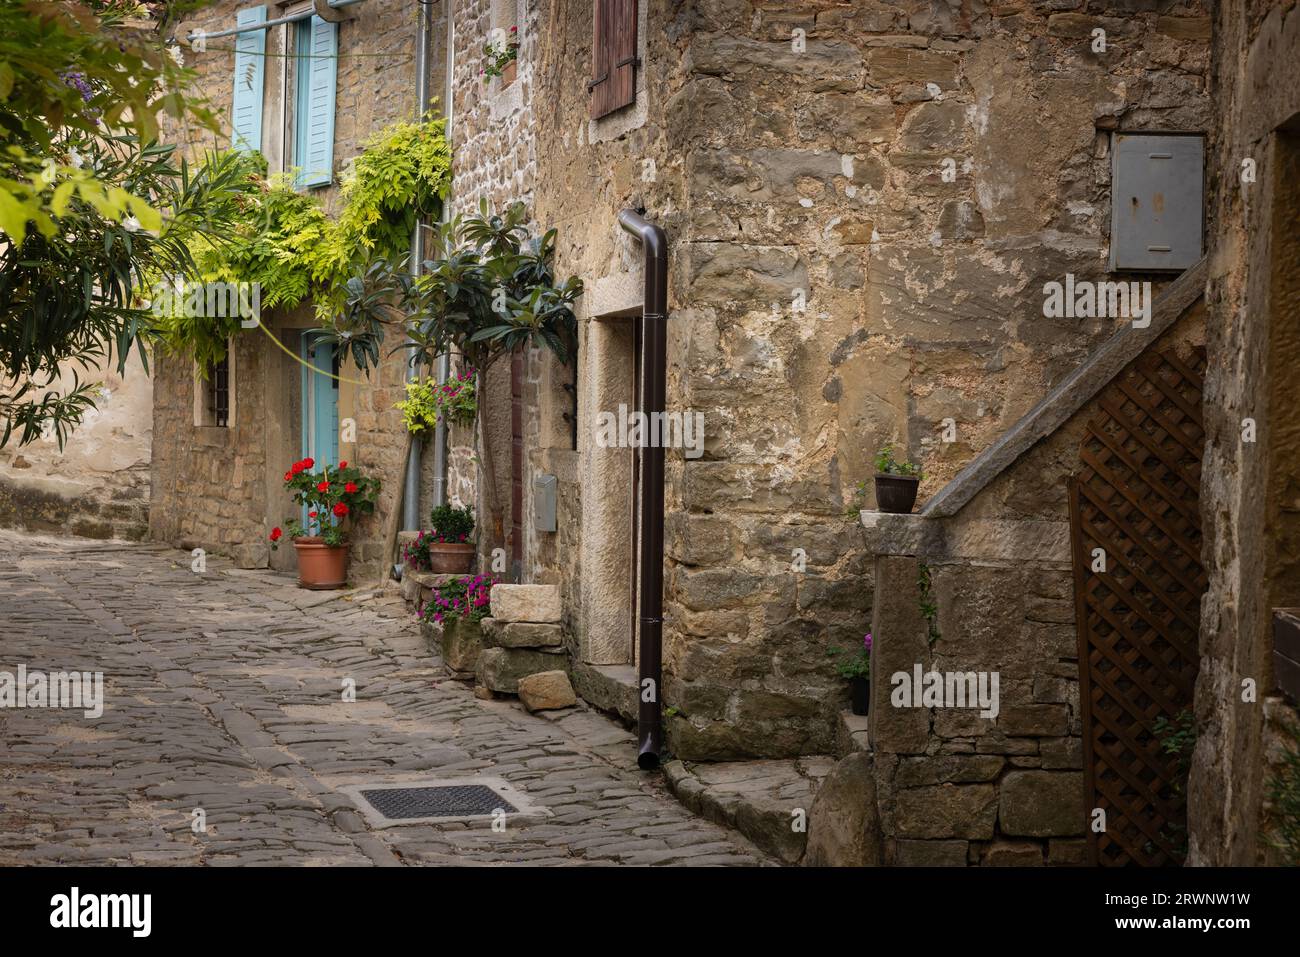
pixel 223 691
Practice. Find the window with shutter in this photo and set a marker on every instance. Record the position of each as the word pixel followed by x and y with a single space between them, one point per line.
pixel 316 44
pixel 250 61
pixel 614 59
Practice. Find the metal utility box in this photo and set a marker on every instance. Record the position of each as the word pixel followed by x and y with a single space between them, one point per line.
pixel 1157 200
pixel 544 492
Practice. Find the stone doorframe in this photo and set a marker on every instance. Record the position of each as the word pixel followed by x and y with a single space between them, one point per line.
pixel 610 304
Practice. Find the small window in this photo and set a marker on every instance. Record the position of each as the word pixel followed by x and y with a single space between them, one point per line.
pixel 219 393
pixel 614 59
pixel 1157 198
pixel 214 393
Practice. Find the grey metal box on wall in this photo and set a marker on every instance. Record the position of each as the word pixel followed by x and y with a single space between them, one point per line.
pixel 544 503
pixel 1157 200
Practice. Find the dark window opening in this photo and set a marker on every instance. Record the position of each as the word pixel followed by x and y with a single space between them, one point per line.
pixel 219 392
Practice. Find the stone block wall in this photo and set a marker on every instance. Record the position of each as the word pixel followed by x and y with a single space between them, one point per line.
pixel 954 787
pixel 1247 491
pixel 836 291
pixel 830 289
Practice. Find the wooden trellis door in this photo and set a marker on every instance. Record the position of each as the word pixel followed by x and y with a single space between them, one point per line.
pixel 1135 525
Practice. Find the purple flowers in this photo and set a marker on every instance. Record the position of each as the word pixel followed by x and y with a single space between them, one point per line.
pixel 77 81
pixel 467 597
pixel 866 642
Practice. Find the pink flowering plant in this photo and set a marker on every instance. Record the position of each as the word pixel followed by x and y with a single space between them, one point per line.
pixel 455 401
pixel 468 599
pixel 855 664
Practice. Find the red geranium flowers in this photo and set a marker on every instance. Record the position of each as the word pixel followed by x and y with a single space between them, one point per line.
pixel 328 496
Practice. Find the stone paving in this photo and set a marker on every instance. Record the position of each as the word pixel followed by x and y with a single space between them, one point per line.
pixel 223 691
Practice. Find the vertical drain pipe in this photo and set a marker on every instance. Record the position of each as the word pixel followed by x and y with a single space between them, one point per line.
pixel 654 367
pixel 444 360
pixel 411 491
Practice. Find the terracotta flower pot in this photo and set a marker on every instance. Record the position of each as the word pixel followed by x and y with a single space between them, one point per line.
pixel 896 493
pixel 321 566
pixel 451 558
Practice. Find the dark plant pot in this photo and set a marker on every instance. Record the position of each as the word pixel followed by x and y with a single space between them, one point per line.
pixel 451 558
pixel 320 566
pixel 860 688
pixel 896 493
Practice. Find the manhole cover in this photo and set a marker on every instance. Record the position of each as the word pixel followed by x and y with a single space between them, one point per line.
pixel 441 801
pixel 454 800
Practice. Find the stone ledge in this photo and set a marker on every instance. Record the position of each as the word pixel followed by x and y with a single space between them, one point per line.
pixel 756 798
pixel 939 539
pixel 608 688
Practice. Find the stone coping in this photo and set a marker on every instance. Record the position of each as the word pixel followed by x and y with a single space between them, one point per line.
pixel 938 539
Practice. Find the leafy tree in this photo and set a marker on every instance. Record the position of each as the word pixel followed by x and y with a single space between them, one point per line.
pixel 488 290
pixel 92 210
pixel 72 70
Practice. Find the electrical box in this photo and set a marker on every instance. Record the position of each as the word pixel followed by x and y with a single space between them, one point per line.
pixel 1157 200
pixel 544 492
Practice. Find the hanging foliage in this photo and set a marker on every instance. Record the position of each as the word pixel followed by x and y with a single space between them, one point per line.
pixel 286 243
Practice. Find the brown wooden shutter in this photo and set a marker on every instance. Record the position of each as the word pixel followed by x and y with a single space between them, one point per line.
pixel 614 63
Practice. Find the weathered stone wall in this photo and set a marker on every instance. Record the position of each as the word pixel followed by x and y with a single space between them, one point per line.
pixel 98 484
pixel 839 293
pixel 953 787
pixel 494 159
pixel 1248 498
pixel 829 291
pixel 222 488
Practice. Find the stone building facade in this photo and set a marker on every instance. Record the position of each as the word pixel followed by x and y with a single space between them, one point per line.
pixel 863 203
pixel 1248 495
pixel 835 284
pixel 220 486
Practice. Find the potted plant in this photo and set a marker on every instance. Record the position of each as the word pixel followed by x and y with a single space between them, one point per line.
pixel 454 401
pixel 332 497
pixel 857 669
pixel 896 482
pixel 447 547
pixel 499 58
pixel 460 606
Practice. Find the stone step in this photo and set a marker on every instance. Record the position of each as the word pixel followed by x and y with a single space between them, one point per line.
pixel 763 800
pixel 608 688
pixel 851 733
pixel 520 634
pixel 526 603
pixel 499 669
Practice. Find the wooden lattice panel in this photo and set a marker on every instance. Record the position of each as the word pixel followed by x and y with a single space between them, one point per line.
pixel 1136 495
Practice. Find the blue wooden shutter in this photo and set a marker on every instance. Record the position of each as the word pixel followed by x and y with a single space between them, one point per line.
pixel 317 127
pixel 250 59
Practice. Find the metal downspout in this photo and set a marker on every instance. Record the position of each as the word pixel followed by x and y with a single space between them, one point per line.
pixel 444 360
pixel 411 491
pixel 654 365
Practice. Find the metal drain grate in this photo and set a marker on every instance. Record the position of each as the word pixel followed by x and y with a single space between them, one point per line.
pixel 453 800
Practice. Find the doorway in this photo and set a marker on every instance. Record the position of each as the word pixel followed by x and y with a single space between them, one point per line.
pixel 320 401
